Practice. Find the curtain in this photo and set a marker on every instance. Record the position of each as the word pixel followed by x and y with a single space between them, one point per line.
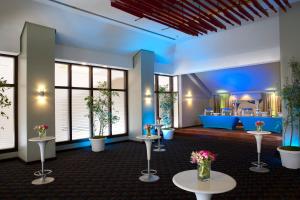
pixel 278 104
pixel 224 100
pixel 221 101
pixel 266 100
pixel 271 103
pixel 217 104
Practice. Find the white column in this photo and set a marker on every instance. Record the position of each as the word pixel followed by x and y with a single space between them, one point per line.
pixel 35 70
pixel 289 48
pixel 141 93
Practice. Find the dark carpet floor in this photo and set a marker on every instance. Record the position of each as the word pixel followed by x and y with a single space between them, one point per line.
pixel 113 174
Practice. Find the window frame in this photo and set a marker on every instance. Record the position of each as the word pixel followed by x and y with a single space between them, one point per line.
pixel 15 103
pixel 91 89
pixel 171 90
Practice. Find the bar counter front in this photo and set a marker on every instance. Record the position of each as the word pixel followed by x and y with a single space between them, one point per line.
pixel 272 124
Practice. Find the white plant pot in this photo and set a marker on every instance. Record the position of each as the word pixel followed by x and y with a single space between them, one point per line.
pixel 97 144
pixel 289 159
pixel 168 134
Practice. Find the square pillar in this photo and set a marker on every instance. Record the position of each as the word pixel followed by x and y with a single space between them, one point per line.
pixel 289 29
pixel 141 93
pixel 36 73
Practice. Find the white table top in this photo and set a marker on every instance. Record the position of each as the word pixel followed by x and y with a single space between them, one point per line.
pixel 218 182
pixel 42 139
pixel 259 132
pixel 145 137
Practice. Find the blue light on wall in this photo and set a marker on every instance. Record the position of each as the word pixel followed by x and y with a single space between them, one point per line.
pixel 295 139
pixel 148 118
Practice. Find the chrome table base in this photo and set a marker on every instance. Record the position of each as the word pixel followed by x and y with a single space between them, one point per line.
pixel 148 175
pixel 259 166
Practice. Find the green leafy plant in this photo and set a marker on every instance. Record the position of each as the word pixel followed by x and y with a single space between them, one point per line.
pixel 291 96
pixel 4 100
pixel 166 104
pixel 100 105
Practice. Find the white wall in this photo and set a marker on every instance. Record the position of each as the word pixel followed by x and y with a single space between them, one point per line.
pixel 250 44
pixel 192 101
pixel 72 54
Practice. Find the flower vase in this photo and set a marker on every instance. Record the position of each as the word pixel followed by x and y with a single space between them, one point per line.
pixel 259 128
pixel 42 134
pixel 203 172
pixel 148 133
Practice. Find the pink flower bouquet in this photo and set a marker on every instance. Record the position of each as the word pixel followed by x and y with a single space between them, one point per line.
pixel 41 129
pixel 203 159
pixel 198 157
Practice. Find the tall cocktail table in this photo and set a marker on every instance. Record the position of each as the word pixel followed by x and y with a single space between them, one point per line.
pixel 259 166
pixel 159 147
pixel 148 175
pixel 42 141
pixel 218 183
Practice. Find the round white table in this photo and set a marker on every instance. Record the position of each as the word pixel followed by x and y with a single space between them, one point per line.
pixel 159 146
pixel 148 175
pixel 42 141
pixel 218 183
pixel 258 165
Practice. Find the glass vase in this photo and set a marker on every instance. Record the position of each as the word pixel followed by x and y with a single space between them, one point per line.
pixel 259 128
pixel 42 134
pixel 148 133
pixel 203 172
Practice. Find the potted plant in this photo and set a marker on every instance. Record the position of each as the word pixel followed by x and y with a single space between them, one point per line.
pixel 4 101
pixel 166 104
pixel 100 105
pixel 290 153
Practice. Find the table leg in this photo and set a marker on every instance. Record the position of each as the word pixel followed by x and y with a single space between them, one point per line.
pixel 259 166
pixel 42 173
pixel 149 176
pixel 159 146
pixel 201 196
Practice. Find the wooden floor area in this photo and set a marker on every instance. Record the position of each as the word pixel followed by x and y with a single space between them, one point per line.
pixel 239 135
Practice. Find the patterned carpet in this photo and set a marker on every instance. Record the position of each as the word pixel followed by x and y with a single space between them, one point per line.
pixel 113 174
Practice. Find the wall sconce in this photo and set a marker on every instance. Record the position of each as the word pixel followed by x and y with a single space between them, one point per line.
pixel 246 97
pixel 148 97
pixel 189 98
pixel 41 95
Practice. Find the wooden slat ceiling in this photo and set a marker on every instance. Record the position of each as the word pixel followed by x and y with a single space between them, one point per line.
pixel 198 17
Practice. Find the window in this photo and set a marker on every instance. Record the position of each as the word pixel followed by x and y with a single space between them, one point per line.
pixel 8 132
pixel 171 85
pixel 73 83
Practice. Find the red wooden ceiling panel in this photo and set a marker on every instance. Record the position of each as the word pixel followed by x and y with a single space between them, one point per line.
pixel 198 17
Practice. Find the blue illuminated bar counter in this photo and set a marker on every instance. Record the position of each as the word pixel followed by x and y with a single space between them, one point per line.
pixel 226 122
pixel 272 124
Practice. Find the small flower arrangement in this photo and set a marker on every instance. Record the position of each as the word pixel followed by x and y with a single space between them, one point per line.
pixel 259 125
pixel 198 157
pixel 147 127
pixel 41 129
pixel 203 159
